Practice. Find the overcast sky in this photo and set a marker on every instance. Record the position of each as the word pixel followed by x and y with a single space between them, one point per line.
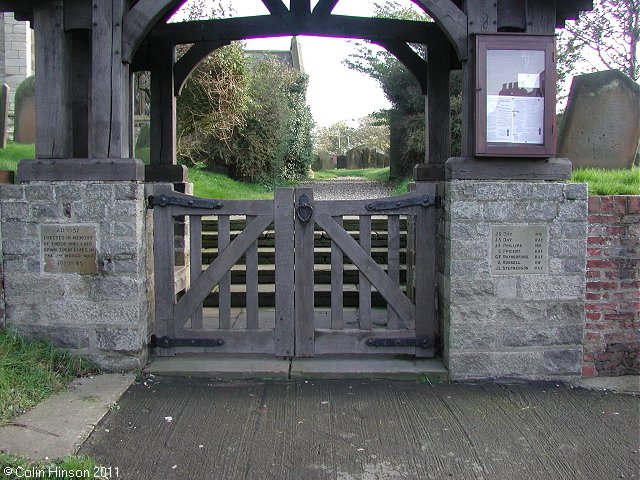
pixel 335 92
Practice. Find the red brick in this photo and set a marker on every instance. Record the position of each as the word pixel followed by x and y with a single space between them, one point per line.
pixel 594 316
pixel 616 230
pixel 613 203
pixel 601 264
pixel 592 336
pixel 632 219
pixel 633 204
pixel 630 285
pixel 604 218
pixel 597 240
pixel 593 274
pixel 594 252
pixel 588 371
pixel 592 296
pixel 602 285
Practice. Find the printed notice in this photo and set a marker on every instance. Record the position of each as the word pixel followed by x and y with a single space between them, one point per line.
pixel 515 119
pixel 68 248
pixel 519 249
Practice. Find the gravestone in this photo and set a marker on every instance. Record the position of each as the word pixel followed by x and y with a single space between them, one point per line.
pixel 324 161
pixel 354 159
pixel 601 126
pixel 341 161
pixel 4 115
pixel 25 112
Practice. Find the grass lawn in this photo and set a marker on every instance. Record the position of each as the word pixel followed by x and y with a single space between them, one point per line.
pixel 69 467
pixel 215 185
pixel 32 371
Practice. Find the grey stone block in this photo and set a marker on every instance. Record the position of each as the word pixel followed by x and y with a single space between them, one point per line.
pixel 507 288
pixel 576 191
pixel 88 212
pixel 120 339
pixel 537 211
pixel 115 313
pixel 574 265
pixel 545 287
pixel 563 362
pixel 535 336
pixel 60 336
pixel 11 192
pixel 472 337
pixel 39 192
pixel 465 289
pixel 128 191
pixel 45 212
pixel 470 248
pixel 70 192
pixel 495 364
pixel 465 210
pixel 15 211
pixel 469 231
pixel 499 212
pixel 565 312
pixel 573 210
pixel 574 230
pixel 24 247
pixel 565 247
pixel 114 288
pixel 98 192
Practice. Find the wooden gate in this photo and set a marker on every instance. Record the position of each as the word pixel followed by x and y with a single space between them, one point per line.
pixel 294 221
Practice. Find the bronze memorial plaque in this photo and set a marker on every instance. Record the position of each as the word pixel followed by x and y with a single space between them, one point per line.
pixel 68 248
pixel 519 249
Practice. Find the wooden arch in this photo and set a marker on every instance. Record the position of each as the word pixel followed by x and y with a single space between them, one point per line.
pixel 145 14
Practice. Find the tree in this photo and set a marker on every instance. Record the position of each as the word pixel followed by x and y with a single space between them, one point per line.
pixel 372 132
pixel 606 37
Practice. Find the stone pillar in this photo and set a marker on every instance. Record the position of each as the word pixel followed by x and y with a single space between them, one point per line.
pixel 524 325
pixel 100 314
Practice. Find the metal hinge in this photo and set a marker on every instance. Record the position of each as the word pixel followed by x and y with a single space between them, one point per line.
pixel 419 342
pixel 166 342
pixel 422 201
pixel 195 202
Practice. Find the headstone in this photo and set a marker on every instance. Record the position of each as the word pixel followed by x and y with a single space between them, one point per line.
pixel 342 161
pixel 354 159
pixel 324 161
pixel 25 112
pixel 601 126
pixel 4 115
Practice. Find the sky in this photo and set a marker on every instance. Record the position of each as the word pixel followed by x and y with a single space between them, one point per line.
pixel 335 93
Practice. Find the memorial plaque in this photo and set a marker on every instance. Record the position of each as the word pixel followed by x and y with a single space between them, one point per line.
pixel 68 248
pixel 519 249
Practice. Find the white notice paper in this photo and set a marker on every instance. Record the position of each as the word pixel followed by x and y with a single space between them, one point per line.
pixel 515 119
pixel 529 80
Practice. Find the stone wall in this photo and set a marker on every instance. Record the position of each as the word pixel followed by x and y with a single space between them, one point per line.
pixel 102 315
pixel 612 331
pixel 502 326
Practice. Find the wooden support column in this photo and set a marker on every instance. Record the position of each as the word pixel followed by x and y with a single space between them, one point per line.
pixel 110 83
pixel 163 166
pixel 53 112
pixel 437 112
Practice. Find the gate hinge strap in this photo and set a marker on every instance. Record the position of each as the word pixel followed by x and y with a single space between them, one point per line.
pixel 167 342
pixel 422 200
pixel 195 202
pixel 419 342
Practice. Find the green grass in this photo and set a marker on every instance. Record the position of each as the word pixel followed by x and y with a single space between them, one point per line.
pixel 10 156
pixel 32 371
pixel 609 182
pixel 381 174
pixel 64 468
pixel 215 185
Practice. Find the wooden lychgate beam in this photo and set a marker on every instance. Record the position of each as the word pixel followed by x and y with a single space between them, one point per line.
pixel 410 59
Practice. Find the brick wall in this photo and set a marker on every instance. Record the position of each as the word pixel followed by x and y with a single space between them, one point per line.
pixel 612 329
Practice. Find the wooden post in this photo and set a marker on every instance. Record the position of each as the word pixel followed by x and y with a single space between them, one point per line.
pixel 163 103
pixel 284 336
pixel 437 112
pixel 79 92
pixel 304 306
pixel 53 132
pixel 110 83
pixel 482 17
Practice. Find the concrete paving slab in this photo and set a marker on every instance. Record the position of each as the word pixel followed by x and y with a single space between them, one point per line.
pixel 59 425
pixel 623 384
pixel 182 428
pixel 427 370
pixel 220 366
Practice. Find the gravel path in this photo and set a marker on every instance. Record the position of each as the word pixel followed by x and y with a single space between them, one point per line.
pixel 348 188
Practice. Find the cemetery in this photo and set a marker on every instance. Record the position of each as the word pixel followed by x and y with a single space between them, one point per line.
pixel 494 264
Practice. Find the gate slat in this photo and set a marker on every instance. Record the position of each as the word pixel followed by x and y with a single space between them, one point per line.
pixel 380 280
pixel 337 276
pixel 224 288
pixel 195 258
pixel 393 262
pixel 284 225
pixel 252 282
pixel 364 286
pixel 304 313
pixel 220 266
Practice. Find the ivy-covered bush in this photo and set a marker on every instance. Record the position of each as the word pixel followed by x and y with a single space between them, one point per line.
pixel 250 118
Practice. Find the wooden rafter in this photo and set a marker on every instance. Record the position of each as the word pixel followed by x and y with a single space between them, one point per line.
pixel 324 7
pixel 410 59
pixel 191 59
pixel 275 6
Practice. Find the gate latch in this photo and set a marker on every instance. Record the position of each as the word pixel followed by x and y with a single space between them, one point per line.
pixel 422 201
pixel 195 202
pixel 166 342
pixel 419 342
pixel 304 210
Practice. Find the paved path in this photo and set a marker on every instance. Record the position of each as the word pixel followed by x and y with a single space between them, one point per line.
pixel 347 188
pixel 307 430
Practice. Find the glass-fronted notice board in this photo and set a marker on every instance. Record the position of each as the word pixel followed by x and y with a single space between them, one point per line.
pixel 515 95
